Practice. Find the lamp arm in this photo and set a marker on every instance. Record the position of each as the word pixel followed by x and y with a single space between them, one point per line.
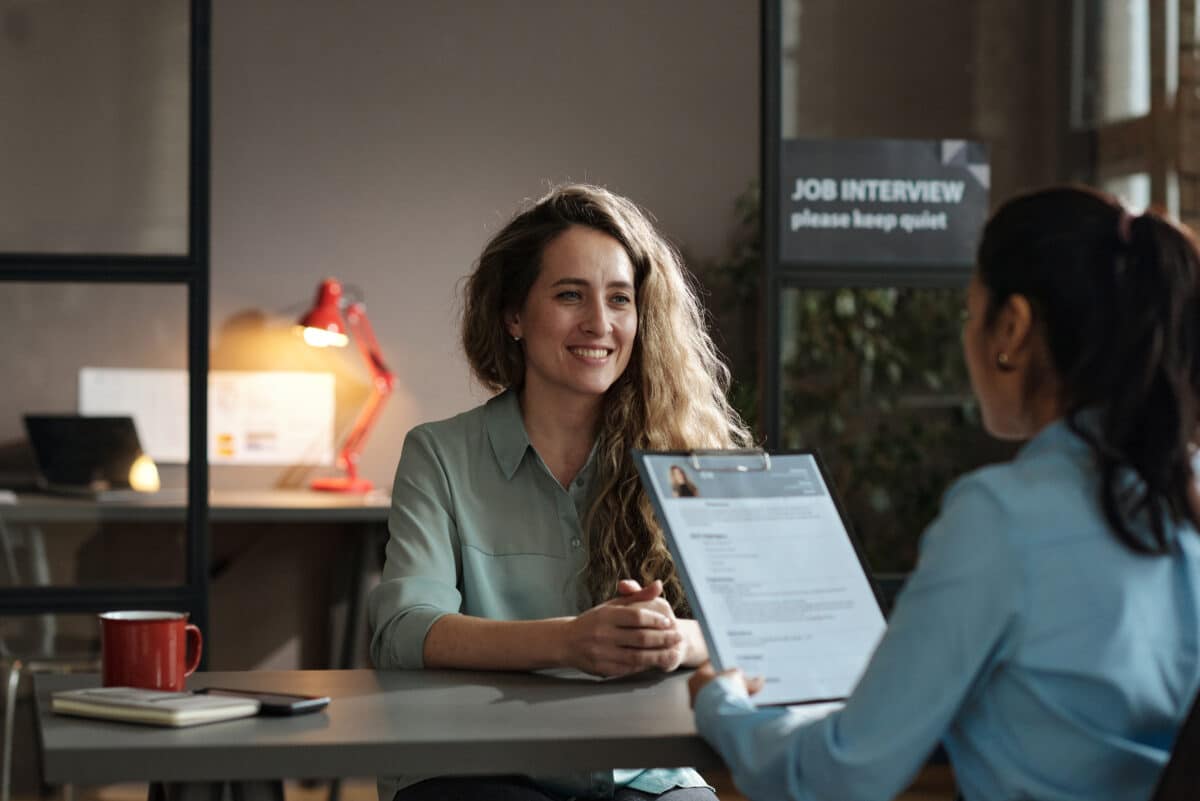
pixel 382 381
pixel 368 345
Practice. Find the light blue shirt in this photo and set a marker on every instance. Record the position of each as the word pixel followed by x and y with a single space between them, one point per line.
pixel 480 526
pixel 1051 661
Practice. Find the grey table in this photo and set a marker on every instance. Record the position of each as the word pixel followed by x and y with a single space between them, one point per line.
pixel 383 723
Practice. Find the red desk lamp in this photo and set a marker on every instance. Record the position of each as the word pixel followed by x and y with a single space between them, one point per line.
pixel 323 326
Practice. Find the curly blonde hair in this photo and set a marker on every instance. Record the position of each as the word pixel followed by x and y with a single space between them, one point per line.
pixel 670 397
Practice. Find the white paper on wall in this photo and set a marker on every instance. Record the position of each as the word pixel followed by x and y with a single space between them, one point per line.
pixel 157 400
pixel 254 417
pixel 274 417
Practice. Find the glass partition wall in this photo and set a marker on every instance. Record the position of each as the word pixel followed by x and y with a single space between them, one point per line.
pixel 862 362
pixel 103 268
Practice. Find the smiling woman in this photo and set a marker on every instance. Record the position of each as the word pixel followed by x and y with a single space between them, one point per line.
pixel 520 535
pixel 579 321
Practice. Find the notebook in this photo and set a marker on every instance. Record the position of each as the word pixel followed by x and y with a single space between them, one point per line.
pixel 153 707
pixel 87 456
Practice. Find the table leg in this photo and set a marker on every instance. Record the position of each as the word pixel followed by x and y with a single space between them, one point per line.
pixel 257 791
pixel 10 729
pixel 356 619
pixel 39 568
pixel 265 790
pixel 189 791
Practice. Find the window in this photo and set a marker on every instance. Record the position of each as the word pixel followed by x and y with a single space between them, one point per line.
pixel 865 365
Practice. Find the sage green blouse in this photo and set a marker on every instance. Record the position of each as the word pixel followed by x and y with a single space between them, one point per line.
pixel 480 526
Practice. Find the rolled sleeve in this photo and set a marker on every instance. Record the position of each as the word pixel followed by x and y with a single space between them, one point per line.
pixel 422 571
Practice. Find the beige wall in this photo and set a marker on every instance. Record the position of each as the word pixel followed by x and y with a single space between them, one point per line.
pixel 987 70
pixel 380 142
pixel 93 134
pixel 384 142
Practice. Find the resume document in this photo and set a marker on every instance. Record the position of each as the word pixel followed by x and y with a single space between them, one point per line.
pixel 769 568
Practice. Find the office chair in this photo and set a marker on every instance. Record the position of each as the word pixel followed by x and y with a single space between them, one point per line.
pixel 1180 780
pixel 41 654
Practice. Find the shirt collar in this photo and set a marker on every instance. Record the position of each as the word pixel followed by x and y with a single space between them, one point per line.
pixel 506 431
pixel 1060 436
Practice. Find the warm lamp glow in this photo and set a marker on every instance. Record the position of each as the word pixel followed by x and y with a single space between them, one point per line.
pixel 324 326
pixel 143 475
pixel 323 338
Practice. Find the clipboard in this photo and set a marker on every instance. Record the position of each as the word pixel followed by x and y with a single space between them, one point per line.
pixel 771 568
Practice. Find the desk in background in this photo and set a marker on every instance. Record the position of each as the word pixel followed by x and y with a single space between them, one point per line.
pixel 383 723
pixel 368 513
pixel 274 506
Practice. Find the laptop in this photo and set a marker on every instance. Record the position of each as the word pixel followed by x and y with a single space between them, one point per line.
pixel 84 456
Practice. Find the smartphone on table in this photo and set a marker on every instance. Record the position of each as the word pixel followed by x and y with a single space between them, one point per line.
pixel 274 704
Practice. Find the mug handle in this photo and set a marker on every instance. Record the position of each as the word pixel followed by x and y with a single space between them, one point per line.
pixel 194 643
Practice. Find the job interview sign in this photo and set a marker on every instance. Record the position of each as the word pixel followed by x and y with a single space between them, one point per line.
pixel 882 202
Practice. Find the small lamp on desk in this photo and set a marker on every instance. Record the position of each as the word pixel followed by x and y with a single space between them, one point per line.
pixel 325 326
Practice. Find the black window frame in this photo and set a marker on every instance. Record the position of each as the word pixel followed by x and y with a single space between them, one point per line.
pixel 191 270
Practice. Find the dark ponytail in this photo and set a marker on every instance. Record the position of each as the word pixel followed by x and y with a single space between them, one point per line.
pixel 1117 301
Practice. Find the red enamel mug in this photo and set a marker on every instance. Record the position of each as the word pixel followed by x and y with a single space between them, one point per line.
pixel 155 650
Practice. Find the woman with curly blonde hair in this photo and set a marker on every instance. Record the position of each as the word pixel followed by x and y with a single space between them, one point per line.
pixel 521 537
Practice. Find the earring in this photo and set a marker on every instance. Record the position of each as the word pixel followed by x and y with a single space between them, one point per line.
pixel 1002 362
pixel 516 338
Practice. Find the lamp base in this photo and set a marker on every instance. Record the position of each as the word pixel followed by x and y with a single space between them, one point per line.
pixel 342 484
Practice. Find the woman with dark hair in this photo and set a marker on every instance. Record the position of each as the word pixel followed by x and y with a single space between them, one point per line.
pixel 1049 634
pixel 521 537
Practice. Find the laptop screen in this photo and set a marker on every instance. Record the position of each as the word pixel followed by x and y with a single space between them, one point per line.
pixel 84 453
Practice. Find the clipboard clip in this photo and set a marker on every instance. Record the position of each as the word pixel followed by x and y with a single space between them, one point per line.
pixel 761 462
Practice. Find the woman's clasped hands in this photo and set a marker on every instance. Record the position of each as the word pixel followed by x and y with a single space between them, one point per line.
pixel 633 632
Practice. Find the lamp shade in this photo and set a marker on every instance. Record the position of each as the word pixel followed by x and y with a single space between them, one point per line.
pixel 323 324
